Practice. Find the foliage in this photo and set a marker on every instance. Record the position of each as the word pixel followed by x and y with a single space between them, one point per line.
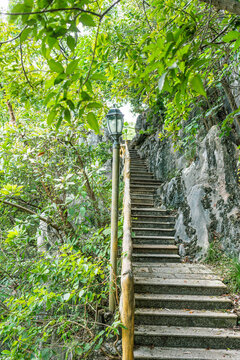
pixel 49 305
pixel 226 266
pixel 61 62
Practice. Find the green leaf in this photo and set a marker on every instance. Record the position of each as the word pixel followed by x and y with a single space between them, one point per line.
pixel 67 116
pixel 94 105
pixel 161 81
pixel 72 66
pixel 197 85
pixel 51 116
pixel 49 97
pixel 87 20
pixel 232 35
pixel 85 96
pixel 98 77
pixel 71 43
pixel 59 78
pixel 66 296
pixel 92 122
pixel 19 8
pixel 55 66
pixel 25 33
pixel 70 104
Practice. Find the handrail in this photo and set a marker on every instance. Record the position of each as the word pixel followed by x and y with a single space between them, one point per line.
pixel 127 304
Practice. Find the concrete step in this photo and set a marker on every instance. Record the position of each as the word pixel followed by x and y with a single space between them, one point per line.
pixel 152 218
pixel 143 186
pixel 154 240
pixel 185 318
pixel 141 272
pixel 178 286
pixel 142 204
pixel 142 200
pixel 138 167
pixel 155 249
pixel 159 258
pixel 177 269
pixel 145 181
pixel 152 231
pixel 140 173
pixel 162 353
pixel 195 302
pixel 152 212
pixel 143 191
pixel 189 337
pixel 144 177
pixel 152 224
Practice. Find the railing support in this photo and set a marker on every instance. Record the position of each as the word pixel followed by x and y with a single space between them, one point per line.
pixel 127 304
pixel 114 228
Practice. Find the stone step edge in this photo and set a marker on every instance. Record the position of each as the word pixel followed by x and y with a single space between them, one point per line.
pixel 169 256
pixel 155 209
pixel 153 237
pixel 156 330
pixel 160 353
pixel 182 283
pixel 146 246
pixel 176 298
pixel 186 313
pixel 152 229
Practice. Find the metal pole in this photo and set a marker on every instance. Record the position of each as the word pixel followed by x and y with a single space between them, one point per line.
pixel 114 227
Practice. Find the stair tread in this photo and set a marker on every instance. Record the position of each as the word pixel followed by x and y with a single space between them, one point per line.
pixel 153 237
pixel 175 297
pixel 154 216
pixel 183 312
pixel 146 246
pixel 186 331
pixel 154 209
pixel 151 229
pixel 152 222
pixel 180 282
pixel 161 353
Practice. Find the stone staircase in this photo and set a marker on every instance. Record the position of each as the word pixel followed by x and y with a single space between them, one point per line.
pixel 182 310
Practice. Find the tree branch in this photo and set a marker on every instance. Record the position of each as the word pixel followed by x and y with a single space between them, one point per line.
pixel 110 8
pixel 51 11
pixel 24 71
pixel 232 6
pixel 22 208
pixel 15 38
pixel 93 57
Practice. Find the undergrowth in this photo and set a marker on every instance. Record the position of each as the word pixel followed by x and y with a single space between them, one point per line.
pixel 227 267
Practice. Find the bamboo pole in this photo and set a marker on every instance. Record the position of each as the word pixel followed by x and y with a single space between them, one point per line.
pixel 114 228
pixel 127 304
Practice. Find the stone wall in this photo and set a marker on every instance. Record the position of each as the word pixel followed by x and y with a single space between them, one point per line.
pixel 203 190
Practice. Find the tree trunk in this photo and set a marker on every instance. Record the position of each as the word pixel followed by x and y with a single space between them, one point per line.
pixel 232 102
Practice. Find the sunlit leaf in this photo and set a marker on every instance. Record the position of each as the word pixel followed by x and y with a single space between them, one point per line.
pixel 92 122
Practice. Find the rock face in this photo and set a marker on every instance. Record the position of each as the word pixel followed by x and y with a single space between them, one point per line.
pixel 204 190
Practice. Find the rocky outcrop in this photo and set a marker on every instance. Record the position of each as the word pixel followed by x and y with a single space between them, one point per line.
pixel 203 190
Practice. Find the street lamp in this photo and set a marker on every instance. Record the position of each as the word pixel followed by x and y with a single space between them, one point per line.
pixel 115 126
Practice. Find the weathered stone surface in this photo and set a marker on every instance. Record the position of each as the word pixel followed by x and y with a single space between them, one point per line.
pixel 203 190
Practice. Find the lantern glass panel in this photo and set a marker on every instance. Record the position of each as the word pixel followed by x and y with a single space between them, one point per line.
pixel 112 124
pixel 119 125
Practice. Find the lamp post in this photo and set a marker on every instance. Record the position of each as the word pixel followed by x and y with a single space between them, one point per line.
pixel 115 126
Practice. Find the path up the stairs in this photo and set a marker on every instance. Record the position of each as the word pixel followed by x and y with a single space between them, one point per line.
pixel 182 310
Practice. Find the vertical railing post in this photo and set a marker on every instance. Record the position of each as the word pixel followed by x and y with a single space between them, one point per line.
pixel 127 304
pixel 114 228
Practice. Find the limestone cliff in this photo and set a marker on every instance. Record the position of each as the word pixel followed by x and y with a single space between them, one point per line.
pixel 204 190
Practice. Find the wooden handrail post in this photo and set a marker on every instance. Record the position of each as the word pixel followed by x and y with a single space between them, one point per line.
pixel 114 228
pixel 127 304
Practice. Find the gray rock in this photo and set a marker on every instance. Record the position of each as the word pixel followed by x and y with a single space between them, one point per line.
pixel 204 190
